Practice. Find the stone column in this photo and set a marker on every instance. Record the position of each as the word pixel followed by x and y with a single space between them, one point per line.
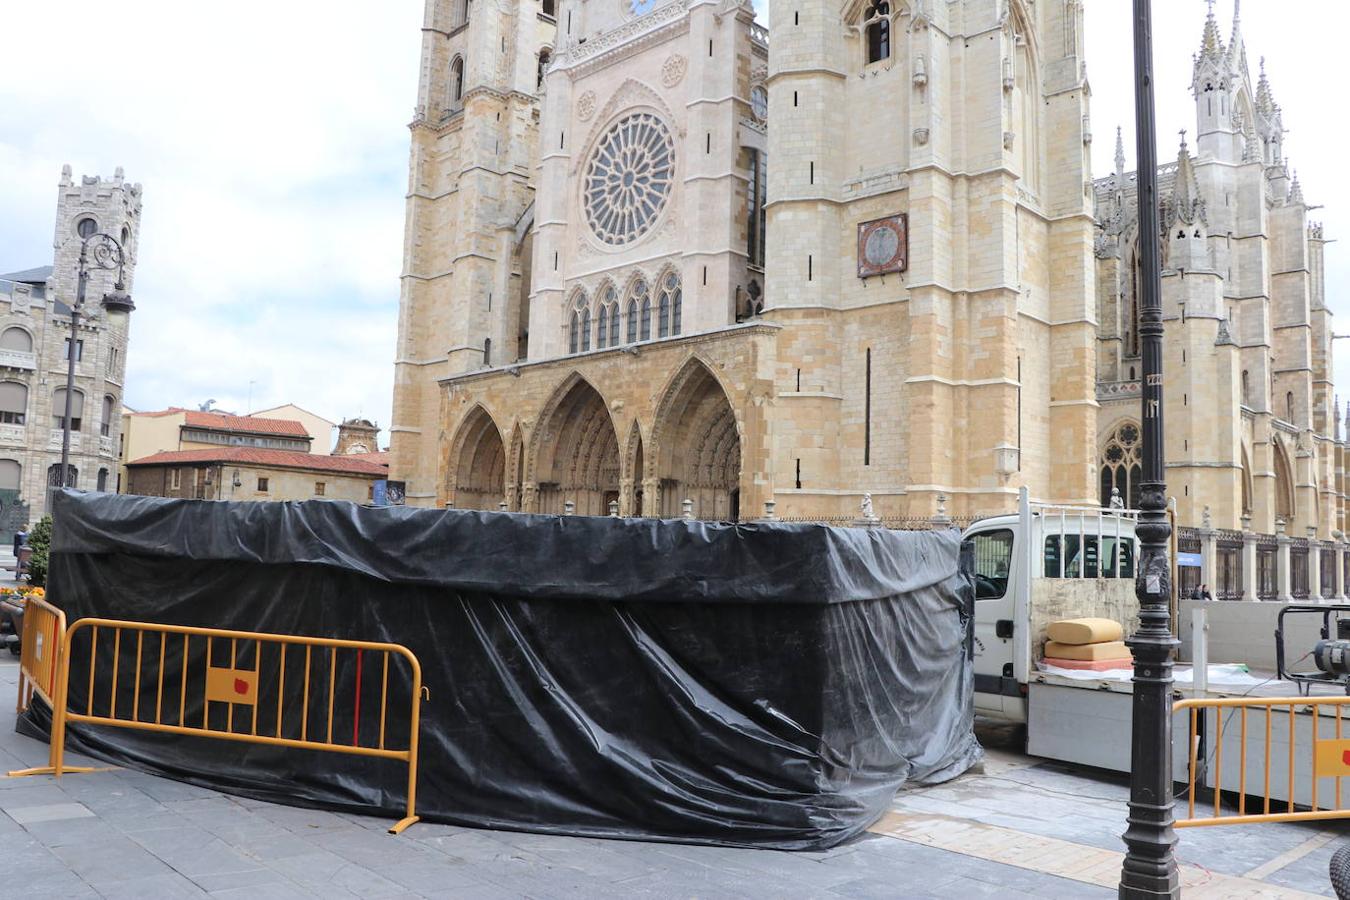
pixel 529 498
pixel 1314 566
pixel 1340 568
pixel 1209 549
pixel 651 498
pixel 1282 562
pixel 1249 579
pixel 627 497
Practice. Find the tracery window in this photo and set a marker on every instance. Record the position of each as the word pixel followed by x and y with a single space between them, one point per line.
pixel 1121 466
pixel 602 331
pixel 632 320
pixel 579 325
pixel 628 179
pixel 643 298
pixel 611 303
pixel 668 306
pixel 877 28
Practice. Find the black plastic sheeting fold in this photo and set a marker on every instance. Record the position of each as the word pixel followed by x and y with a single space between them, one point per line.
pixel 766 684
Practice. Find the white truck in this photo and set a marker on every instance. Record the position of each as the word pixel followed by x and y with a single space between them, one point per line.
pixel 1044 563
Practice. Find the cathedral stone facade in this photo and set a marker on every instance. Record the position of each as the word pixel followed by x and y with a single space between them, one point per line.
pixel 1252 427
pixel 659 260
pixel 35 343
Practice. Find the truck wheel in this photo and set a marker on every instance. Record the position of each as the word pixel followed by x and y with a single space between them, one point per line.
pixel 1340 873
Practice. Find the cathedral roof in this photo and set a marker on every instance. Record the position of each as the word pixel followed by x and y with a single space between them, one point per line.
pixel 37 275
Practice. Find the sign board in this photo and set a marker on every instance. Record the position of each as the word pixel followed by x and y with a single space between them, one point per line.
pixel 1192 560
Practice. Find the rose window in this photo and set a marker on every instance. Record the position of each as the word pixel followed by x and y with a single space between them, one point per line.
pixel 628 179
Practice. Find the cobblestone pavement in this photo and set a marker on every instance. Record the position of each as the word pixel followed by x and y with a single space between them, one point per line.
pixel 1019 829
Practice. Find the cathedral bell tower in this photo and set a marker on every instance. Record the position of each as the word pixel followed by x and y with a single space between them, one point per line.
pixel 469 210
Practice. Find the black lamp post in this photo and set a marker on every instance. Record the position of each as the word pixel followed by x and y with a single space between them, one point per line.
pixel 102 251
pixel 1150 868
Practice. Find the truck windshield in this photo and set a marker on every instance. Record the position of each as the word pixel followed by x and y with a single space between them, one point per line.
pixel 993 554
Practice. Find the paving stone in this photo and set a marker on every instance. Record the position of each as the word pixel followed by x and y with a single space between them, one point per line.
pixel 281 891
pixel 258 877
pixel 326 871
pixel 51 812
pixel 193 851
pixel 50 884
pixel 71 832
pixel 165 884
pixel 117 859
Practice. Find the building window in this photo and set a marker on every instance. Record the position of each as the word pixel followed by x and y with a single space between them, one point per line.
pixel 632 320
pixel 262 485
pixel 1121 467
pixel 319 488
pixel 578 331
pixel 370 491
pixel 759 103
pixel 755 212
pixel 102 484
pixel 13 403
pixel 487 351
pixel 877 27
pixel 105 424
pixel 550 7
pixel 86 227
pixel 456 82
pixel 612 301
pixel 175 479
pixel 602 330
pixel 16 339
pixel 10 475
pixel 59 409
pixel 79 350
pixel 1289 407
pixel 628 179
pixel 1246 389
pixel 669 305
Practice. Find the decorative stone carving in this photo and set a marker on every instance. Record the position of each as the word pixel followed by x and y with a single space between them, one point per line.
pixel 586 106
pixel 1008 138
pixel 920 136
pixel 673 69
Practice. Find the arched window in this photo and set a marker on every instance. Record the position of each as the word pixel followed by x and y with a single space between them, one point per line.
pixel 105 423
pixel 17 339
pixel 1121 468
pixel 574 332
pixel 602 329
pixel 877 27
pixel 59 409
pixel 54 478
pixel 102 480
pixel 612 301
pixel 13 403
pixel 456 82
pixel 1246 389
pixel 578 330
pixel 1289 407
pixel 461 14
pixel 644 300
pixel 1284 486
pixel 662 313
pixel 544 57
pixel 632 320
pixel 585 330
pixel 10 475
pixel 676 302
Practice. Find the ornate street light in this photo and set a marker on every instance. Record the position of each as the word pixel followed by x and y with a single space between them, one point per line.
pixel 1150 868
pixel 101 251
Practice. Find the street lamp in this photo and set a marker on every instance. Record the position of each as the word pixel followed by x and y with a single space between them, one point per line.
pixel 1150 867
pixel 101 251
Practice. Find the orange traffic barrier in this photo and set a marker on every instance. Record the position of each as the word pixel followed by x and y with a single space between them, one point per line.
pixel 1325 757
pixel 240 693
pixel 40 643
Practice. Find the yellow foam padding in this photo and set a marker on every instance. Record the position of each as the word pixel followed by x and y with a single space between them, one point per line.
pixel 1088 652
pixel 1084 631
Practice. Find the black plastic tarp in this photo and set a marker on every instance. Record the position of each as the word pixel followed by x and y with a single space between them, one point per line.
pixel 761 684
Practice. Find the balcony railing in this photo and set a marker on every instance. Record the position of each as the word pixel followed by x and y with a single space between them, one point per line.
pixel 105 445
pixel 55 442
pixel 17 359
pixel 13 434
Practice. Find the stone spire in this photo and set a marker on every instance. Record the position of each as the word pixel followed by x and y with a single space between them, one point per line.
pixel 1237 50
pixel 1120 159
pixel 1296 190
pixel 1265 101
pixel 1185 204
pixel 1211 45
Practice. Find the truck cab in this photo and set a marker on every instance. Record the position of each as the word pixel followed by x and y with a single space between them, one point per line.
pixel 1045 562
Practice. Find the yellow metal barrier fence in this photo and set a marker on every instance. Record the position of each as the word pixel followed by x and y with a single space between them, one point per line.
pixel 40 643
pixel 1294 774
pixel 254 674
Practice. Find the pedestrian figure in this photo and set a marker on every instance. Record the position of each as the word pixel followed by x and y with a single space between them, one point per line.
pixel 20 538
pixel 1204 592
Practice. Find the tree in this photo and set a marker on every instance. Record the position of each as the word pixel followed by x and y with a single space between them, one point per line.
pixel 40 541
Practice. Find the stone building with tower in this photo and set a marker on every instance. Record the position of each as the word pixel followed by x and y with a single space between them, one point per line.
pixel 655 252
pixel 1253 433
pixel 35 343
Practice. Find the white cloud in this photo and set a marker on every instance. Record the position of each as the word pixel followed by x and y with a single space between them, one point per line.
pixel 271 140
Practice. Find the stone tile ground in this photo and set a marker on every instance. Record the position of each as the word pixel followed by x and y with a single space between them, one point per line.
pixel 1013 831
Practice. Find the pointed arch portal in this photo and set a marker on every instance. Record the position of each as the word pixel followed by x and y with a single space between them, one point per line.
pixel 479 464
pixel 578 454
pixel 698 447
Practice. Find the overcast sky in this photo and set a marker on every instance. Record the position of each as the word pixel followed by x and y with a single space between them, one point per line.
pixel 271 140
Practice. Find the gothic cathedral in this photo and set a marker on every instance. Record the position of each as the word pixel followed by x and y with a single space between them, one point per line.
pixel 661 261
